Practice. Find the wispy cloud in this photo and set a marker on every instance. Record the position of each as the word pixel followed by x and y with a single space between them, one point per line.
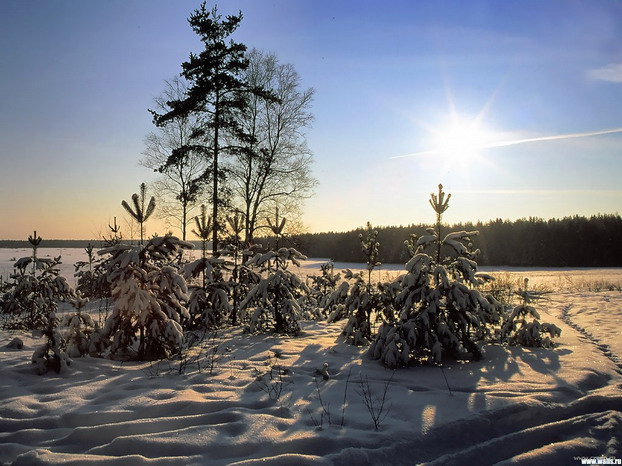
pixel 610 73
pixel 493 144
pixel 555 137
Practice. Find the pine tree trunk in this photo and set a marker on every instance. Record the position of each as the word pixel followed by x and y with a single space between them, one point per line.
pixel 215 175
pixel 184 218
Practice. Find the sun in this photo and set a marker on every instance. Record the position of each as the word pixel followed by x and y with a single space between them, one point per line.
pixel 461 142
pixel 458 145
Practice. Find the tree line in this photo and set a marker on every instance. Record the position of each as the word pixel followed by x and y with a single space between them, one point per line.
pixel 576 241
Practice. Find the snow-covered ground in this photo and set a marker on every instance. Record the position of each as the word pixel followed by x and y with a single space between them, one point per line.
pixel 518 406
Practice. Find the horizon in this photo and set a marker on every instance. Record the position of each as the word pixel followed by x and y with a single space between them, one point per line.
pixel 357 228
pixel 509 106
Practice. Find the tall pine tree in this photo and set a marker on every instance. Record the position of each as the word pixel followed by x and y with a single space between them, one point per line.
pixel 214 95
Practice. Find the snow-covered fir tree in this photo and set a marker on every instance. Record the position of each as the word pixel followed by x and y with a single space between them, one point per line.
pixel 149 299
pixel 35 290
pixel 80 327
pixel 208 304
pixel 88 275
pixel 276 300
pixel 50 356
pixel 441 313
pixel 361 300
pixel 324 285
pixel 243 278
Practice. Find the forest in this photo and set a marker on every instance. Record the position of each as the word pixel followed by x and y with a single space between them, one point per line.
pixel 568 242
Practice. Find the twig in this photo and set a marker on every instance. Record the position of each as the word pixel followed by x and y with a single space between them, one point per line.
pixel 448 387
pixel 325 408
pixel 345 398
pixel 375 405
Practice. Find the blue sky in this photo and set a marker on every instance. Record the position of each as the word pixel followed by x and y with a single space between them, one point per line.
pixel 78 76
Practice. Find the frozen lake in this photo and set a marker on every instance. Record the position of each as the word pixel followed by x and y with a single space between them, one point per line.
pixel 557 278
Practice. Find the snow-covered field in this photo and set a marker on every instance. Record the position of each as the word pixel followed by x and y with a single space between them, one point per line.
pixel 518 406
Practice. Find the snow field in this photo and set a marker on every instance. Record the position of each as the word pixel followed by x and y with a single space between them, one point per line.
pixel 517 406
pixel 574 279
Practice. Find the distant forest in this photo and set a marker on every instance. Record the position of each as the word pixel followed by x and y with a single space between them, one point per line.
pixel 569 242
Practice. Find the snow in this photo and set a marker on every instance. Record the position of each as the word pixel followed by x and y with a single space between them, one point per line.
pixel 267 400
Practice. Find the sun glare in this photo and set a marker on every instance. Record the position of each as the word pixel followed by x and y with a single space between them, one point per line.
pixel 461 142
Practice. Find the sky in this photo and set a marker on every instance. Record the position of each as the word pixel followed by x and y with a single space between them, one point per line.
pixel 513 106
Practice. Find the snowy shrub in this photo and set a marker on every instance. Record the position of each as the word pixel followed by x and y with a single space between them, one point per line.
pixel 208 305
pixel 34 294
pixel 80 326
pixel 440 311
pixel 275 300
pixel 149 298
pixel 50 356
pixel 518 330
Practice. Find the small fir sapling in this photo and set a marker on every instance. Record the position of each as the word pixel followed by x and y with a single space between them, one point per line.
pixel 91 277
pixel 364 298
pixel 115 235
pixel 243 278
pixel 276 298
pixel 208 304
pixel 336 302
pixel 50 356
pixel 441 313
pixel 90 282
pixel 277 227
pixel 204 228
pixel 307 308
pixel 517 330
pixel 32 297
pixel 85 279
pixel 81 327
pixel 149 298
pixel 140 212
pixel 324 285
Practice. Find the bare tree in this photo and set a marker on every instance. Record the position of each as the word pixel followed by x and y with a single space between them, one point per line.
pixel 272 167
pixel 132 227
pixel 176 192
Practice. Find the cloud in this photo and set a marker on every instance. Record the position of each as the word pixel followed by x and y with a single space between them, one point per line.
pixel 611 73
pixel 513 142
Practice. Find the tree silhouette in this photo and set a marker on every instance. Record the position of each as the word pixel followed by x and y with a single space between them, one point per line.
pixel 214 95
pixel 140 213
